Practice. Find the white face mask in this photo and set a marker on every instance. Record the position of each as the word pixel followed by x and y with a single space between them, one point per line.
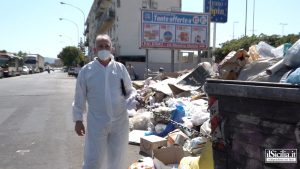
pixel 103 54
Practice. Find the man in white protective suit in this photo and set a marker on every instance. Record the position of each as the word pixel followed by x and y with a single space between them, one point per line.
pixel 104 84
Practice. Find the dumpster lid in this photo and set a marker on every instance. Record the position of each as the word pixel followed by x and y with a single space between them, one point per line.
pixel 260 90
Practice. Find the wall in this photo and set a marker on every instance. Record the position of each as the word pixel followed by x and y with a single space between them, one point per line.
pixel 140 67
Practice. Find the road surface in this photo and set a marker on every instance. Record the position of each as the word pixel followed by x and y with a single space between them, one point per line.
pixel 36 128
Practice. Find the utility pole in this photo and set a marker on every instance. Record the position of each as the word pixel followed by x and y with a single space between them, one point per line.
pixel 282 29
pixel 246 17
pixel 253 18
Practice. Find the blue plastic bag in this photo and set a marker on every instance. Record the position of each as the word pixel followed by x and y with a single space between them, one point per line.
pixel 176 115
pixel 294 77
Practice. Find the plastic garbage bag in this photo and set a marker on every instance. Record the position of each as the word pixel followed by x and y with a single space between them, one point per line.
pixel 292 57
pixel 206 127
pixel 140 121
pixel 195 145
pixel 160 127
pixel 204 162
pixel 176 115
pixel 252 70
pixel 265 50
pixel 286 47
pixel 284 76
pixel 253 54
pixel 294 77
pixel 281 50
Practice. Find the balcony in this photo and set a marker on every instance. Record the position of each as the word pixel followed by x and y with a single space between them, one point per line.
pixel 103 4
pixel 104 20
pixel 86 30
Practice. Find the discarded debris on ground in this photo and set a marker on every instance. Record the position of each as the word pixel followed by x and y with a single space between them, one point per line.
pixel 170 118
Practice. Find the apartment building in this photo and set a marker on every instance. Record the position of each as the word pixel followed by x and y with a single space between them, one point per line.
pixel 121 19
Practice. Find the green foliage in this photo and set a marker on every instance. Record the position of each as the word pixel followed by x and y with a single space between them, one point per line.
pixel 21 54
pixel 246 42
pixel 71 56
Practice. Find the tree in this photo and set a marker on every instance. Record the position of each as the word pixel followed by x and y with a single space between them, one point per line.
pixel 71 56
pixel 21 54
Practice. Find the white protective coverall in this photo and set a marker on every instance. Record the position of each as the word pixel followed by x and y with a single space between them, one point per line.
pixel 107 128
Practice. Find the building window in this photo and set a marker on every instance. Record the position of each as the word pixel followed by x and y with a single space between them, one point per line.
pixel 144 3
pixel 118 3
pixel 154 5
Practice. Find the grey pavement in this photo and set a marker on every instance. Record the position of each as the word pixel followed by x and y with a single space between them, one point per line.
pixel 36 128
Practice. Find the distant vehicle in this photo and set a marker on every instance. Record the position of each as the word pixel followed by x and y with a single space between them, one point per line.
pixel 65 69
pixel 71 71
pixel 11 64
pixel 1 72
pixel 48 68
pixel 35 62
pixel 25 70
pixel 76 71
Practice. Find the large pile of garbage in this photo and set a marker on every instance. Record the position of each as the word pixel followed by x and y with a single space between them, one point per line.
pixel 170 117
pixel 263 63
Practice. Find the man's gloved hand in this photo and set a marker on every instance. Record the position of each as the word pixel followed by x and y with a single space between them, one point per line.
pixel 131 103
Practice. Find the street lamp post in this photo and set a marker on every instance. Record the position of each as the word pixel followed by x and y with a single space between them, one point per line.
pixel 63 3
pixel 253 18
pixel 282 29
pixel 233 28
pixel 74 24
pixel 246 12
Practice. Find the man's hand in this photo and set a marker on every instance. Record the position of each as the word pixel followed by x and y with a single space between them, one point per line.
pixel 79 128
pixel 131 103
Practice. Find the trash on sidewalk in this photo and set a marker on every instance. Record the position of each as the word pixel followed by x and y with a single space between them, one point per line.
pixel 167 157
pixel 135 136
pixel 174 109
pixel 144 163
pixel 149 143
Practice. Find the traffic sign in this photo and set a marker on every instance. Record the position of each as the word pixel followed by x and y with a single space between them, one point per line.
pixel 218 10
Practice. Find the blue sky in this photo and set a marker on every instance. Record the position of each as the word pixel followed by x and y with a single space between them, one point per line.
pixel 33 26
pixel 268 16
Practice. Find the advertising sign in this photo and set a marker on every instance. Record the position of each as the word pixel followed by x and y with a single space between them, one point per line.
pixel 218 10
pixel 174 30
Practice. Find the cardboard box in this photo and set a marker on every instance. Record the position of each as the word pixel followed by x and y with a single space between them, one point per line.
pixel 150 143
pixel 176 137
pixel 164 157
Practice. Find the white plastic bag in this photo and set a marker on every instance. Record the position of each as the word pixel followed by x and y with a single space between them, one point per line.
pixel 292 57
pixel 265 50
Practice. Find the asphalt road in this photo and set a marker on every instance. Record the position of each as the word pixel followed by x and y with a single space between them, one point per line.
pixel 36 128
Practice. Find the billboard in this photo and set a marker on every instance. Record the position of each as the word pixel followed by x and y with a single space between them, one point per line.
pixel 174 30
pixel 218 10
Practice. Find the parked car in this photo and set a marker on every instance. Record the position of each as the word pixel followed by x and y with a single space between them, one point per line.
pixel 25 70
pixel 71 71
pixel 1 72
pixel 77 70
